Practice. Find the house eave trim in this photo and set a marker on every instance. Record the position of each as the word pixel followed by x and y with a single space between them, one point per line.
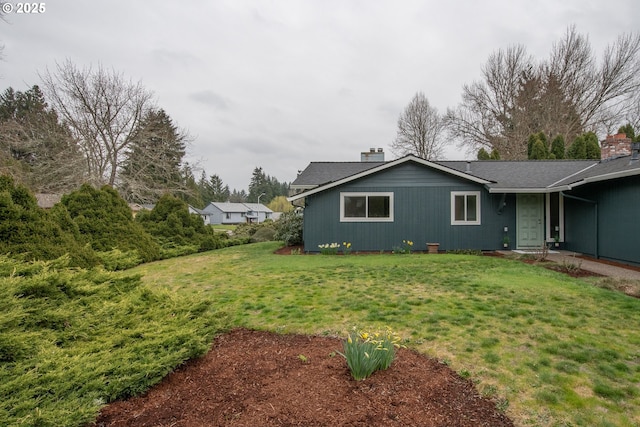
pixel 409 158
pixel 516 190
pixel 606 177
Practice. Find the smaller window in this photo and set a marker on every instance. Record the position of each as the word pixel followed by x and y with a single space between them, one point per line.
pixel 465 208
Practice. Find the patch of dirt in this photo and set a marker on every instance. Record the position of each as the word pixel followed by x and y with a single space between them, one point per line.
pixel 613 263
pixel 254 378
pixel 572 271
pixel 288 250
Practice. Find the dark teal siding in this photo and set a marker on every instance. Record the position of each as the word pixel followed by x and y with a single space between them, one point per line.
pixel 618 227
pixel 422 213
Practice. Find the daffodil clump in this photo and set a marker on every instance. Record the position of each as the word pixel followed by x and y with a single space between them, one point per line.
pixel 369 352
pixel 329 248
pixel 405 248
pixel 346 248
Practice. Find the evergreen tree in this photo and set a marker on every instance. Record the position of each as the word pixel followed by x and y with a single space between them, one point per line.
pixel 105 219
pixel 578 149
pixel 557 147
pixel 190 191
pixel 592 146
pixel 259 185
pixel 538 150
pixel 483 154
pixel 239 196
pixel 629 131
pixel 530 142
pixel 29 232
pixel 220 192
pixel 153 161
pixel 270 186
pixel 537 146
pixel 205 189
pixel 170 220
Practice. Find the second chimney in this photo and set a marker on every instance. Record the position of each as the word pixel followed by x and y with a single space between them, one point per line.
pixel 617 145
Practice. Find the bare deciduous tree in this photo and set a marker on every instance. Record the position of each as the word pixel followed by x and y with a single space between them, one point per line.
pixel 420 130
pixel 102 109
pixel 567 94
pixel 484 117
pixel 633 111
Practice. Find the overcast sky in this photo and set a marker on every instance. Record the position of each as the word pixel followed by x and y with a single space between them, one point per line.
pixel 281 83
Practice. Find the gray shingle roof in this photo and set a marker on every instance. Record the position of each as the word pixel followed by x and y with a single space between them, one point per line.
pixel 524 174
pixel 231 207
pixel 608 169
pixel 318 173
pixel 502 176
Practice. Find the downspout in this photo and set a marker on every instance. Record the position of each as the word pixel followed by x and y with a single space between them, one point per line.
pixel 596 215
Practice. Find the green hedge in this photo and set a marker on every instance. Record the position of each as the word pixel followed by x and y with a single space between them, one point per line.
pixel 74 340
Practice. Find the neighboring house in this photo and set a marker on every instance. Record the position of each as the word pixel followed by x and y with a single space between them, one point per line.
pixel 137 207
pixel 589 206
pixel 47 201
pixel 235 213
pixel 205 216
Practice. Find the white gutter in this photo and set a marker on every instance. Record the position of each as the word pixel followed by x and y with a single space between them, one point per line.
pixel 607 176
pixel 384 166
pixel 517 190
pixel 574 174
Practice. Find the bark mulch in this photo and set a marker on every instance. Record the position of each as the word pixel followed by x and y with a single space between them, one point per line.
pixel 255 378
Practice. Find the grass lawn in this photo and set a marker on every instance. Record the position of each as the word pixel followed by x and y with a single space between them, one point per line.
pixel 553 351
pixel 224 228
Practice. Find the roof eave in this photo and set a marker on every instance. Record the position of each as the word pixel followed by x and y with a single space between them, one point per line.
pixel 385 166
pixel 517 190
pixel 607 176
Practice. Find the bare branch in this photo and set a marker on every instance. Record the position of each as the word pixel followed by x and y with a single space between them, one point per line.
pixel 420 130
pixel 566 95
pixel 102 108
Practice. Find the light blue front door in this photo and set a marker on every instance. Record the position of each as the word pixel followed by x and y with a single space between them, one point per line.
pixel 530 224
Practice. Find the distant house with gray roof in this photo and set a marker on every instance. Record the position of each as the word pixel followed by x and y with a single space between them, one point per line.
pixel 587 206
pixel 47 201
pixel 235 213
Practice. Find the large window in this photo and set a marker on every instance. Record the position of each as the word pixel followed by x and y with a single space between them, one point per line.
pixel 465 208
pixel 366 207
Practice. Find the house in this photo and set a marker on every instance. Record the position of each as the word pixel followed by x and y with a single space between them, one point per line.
pixel 138 207
pixel 235 213
pixel 588 206
pixel 46 200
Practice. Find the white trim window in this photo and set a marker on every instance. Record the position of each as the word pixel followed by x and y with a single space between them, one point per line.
pixel 366 207
pixel 465 208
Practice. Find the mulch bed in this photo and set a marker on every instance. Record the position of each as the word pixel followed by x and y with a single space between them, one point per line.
pixel 254 378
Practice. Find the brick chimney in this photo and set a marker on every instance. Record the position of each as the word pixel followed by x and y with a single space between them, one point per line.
pixel 617 145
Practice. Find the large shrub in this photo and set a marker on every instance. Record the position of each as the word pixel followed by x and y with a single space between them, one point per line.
pixel 72 340
pixel 289 228
pixel 105 219
pixel 31 233
pixel 170 219
pixel 178 231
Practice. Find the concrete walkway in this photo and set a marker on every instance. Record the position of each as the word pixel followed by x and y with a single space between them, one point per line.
pixel 605 268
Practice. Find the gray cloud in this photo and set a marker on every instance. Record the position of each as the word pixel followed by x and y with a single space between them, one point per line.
pixel 211 99
pixel 279 84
